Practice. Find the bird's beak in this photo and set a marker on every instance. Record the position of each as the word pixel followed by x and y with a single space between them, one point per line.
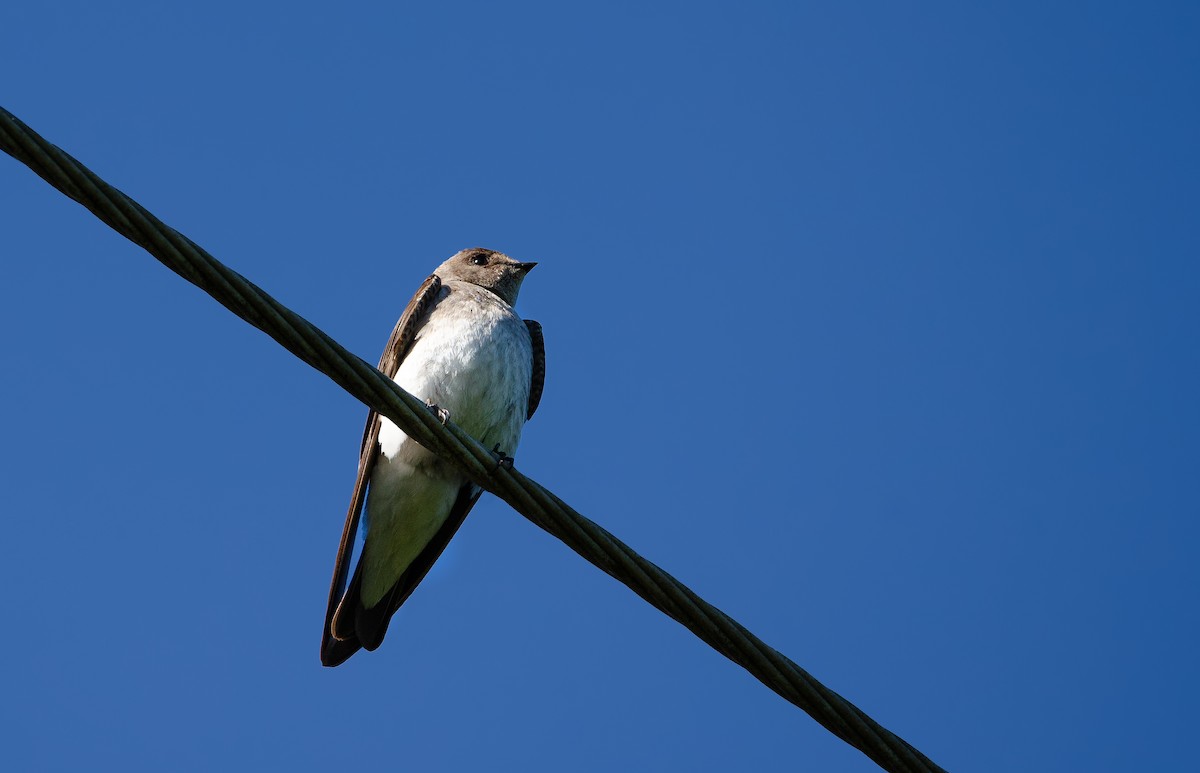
pixel 525 268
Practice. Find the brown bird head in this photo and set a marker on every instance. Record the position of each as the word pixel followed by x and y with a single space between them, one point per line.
pixel 489 269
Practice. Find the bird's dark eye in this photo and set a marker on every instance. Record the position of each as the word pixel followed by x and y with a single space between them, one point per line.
pixel 479 260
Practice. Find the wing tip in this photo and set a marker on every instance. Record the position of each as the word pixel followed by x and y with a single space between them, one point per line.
pixel 335 652
pixel 341 638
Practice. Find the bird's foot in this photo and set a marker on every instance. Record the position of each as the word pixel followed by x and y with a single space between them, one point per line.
pixel 442 414
pixel 502 459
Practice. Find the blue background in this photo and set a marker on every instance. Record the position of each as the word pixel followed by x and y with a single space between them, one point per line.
pixel 873 322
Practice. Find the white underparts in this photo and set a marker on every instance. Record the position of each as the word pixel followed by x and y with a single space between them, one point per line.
pixel 473 357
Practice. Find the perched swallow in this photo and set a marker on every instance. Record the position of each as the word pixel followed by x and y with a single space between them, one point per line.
pixel 460 347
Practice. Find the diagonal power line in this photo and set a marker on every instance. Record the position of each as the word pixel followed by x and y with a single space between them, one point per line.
pixel 531 500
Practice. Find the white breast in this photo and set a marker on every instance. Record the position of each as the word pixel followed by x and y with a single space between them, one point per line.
pixel 474 358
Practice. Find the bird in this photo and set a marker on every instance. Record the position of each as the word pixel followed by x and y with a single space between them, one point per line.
pixel 461 348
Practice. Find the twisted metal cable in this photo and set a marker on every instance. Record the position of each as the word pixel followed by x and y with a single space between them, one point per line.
pixel 527 497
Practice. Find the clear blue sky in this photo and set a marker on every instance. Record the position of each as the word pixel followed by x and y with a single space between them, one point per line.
pixel 875 323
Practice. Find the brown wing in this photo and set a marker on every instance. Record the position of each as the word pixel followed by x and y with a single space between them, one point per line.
pixel 538 382
pixel 334 651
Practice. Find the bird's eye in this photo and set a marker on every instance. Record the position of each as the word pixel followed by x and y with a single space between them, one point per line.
pixel 479 260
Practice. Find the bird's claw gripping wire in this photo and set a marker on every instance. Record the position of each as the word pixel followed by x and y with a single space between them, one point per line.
pixel 502 459
pixel 442 414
